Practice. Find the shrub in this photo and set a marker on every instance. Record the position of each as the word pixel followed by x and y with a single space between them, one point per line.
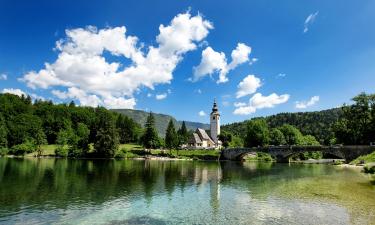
pixel 24 148
pixel 62 151
pixel 3 151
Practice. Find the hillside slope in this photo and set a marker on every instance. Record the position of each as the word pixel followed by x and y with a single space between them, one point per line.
pixel 161 120
pixel 316 123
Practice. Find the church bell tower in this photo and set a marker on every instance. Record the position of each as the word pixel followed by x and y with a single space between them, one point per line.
pixel 215 123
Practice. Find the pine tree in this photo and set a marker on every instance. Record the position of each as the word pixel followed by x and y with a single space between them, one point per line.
pixel 3 133
pixel 150 137
pixel 106 142
pixel 183 134
pixel 171 138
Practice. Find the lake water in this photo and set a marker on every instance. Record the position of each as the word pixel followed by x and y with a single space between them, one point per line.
pixel 60 191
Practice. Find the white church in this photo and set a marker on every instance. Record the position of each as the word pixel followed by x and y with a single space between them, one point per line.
pixel 201 140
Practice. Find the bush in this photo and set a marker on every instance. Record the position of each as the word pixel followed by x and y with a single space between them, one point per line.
pixel 121 153
pixel 3 151
pixel 369 168
pixel 22 149
pixel 61 151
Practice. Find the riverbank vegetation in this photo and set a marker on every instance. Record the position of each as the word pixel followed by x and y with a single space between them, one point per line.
pixel 27 127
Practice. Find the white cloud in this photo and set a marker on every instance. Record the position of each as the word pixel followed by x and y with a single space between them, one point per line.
pixel 202 113
pixel 239 104
pixel 82 68
pixel 281 75
pixel 13 91
pixel 248 86
pixel 216 62
pixel 149 95
pixel 199 91
pixel 3 76
pixel 304 104
pixel 258 101
pixel 253 60
pixel 19 92
pixel 161 96
pixel 309 20
pixel 211 62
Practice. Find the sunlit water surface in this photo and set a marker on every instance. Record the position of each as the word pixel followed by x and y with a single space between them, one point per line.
pixel 59 191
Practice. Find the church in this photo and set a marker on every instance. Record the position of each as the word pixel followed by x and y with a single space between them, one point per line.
pixel 201 140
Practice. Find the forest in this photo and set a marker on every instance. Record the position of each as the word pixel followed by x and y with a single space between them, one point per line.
pixel 97 132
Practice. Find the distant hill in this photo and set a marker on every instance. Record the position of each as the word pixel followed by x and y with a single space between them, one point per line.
pixel 161 120
pixel 317 123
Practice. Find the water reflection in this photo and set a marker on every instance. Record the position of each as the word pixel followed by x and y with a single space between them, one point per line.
pixel 171 192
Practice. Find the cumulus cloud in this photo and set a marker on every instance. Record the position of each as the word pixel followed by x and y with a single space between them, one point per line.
pixel 304 104
pixel 161 96
pixel 309 20
pixel 19 92
pixel 3 76
pixel 202 113
pixel 248 86
pixel 258 101
pixel 13 91
pixel 216 62
pixel 88 76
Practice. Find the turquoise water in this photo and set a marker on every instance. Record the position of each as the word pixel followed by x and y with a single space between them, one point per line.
pixel 60 191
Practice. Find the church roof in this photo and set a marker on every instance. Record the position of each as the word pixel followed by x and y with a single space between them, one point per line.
pixel 195 139
pixel 203 134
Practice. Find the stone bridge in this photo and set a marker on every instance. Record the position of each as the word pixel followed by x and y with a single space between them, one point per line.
pixel 283 153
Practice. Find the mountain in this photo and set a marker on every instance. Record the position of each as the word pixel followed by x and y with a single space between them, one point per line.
pixel 317 123
pixel 161 120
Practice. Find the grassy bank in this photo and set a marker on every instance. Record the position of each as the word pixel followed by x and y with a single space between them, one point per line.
pixel 370 158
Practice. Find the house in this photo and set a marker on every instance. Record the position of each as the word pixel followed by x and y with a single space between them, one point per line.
pixel 200 138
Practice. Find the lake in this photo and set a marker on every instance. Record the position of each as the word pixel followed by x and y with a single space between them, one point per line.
pixel 62 191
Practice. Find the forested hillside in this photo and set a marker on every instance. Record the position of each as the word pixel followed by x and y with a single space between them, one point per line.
pixel 318 124
pixel 161 120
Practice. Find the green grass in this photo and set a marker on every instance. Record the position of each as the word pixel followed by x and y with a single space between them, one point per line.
pixel 260 156
pixel 364 158
pixel 47 150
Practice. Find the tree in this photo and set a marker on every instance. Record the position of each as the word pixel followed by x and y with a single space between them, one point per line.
pixel 128 129
pixel 150 137
pixel 40 139
pixel 3 133
pixel 257 133
pixel 225 138
pixel 291 134
pixel 183 134
pixel 277 137
pixel 309 140
pixel 171 138
pixel 106 143
pixel 357 124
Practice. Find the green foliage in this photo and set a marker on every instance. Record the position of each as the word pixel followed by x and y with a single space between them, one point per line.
pixel 128 129
pixel 171 138
pixel 236 142
pixel 3 133
pixel 309 140
pixel 318 124
pixel 161 120
pixel 357 125
pixel 370 158
pixel 291 134
pixel 3 151
pixel 21 149
pixel 107 141
pixel 225 138
pixel 369 168
pixel 150 137
pixel 183 134
pixel 39 139
pixel 277 137
pixel 257 133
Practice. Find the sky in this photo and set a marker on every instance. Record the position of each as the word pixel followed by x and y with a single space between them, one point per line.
pixel 256 58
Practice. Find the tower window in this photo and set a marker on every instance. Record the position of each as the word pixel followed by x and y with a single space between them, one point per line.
pixel 213 117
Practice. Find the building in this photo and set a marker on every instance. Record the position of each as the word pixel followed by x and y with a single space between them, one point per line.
pixel 200 138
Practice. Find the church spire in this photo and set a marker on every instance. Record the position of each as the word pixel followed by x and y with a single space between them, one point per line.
pixel 214 108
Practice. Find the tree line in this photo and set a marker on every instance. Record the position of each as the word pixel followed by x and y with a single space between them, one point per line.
pixel 352 124
pixel 76 131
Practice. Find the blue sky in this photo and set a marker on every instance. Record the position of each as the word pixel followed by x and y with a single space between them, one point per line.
pixel 305 55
